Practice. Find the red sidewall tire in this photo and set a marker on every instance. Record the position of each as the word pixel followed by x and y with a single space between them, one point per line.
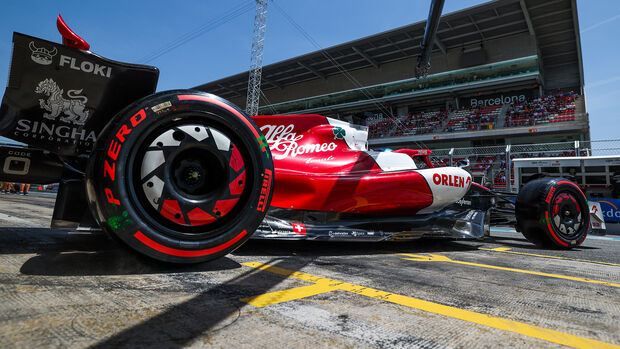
pixel 114 191
pixel 535 216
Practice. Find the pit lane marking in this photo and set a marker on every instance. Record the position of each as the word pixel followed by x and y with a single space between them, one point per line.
pixel 436 308
pixel 290 294
pixel 438 258
pixel 507 250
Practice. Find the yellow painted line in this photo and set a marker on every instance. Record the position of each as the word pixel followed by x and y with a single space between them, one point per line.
pixel 507 250
pixel 266 299
pixel 438 258
pixel 452 312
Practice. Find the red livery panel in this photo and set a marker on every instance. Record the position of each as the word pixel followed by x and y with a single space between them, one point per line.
pixel 319 169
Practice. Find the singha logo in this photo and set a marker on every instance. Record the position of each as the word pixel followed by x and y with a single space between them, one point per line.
pixel 56 104
pixel 41 55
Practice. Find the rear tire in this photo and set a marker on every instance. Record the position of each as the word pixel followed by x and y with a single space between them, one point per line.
pixel 181 176
pixel 553 212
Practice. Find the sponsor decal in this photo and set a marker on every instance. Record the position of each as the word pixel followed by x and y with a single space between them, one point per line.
pixel 161 106
pixel 338 233
pixel 463 202
pixel 549 195
pixel 609 209
pixel 596 212
pixel 299 228
pixel 41 55
pixel 262 142
pixel 53 132
pixel 451 180
pixel 56 104
pixel 285 142
pixel 339 132
pixel 119 222
pixel 85 66
pixel 319 160
pixel 57 108
pixel 109 167
pixel 264 192
pixel 471 215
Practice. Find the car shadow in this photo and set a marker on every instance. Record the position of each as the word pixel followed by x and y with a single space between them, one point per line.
pixel 118 261
pixel 60 253
pixel 302 248
pixel 44 240
pixel 181 323
pixel 70 253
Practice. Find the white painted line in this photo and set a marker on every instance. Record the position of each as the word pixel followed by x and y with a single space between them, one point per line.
pixel 596 237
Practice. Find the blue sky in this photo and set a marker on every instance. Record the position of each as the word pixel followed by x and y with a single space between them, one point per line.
pixel 133 31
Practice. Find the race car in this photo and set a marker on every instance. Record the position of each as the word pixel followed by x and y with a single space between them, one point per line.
pixel 185 176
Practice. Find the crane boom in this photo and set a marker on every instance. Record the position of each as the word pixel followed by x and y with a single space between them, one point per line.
pixel 432 23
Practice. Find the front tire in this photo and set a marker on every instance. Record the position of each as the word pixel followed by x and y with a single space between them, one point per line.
pixel 181 176
pixel 553 212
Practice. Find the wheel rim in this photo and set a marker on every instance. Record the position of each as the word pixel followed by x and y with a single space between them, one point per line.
pixel 567 216
pixel 190 177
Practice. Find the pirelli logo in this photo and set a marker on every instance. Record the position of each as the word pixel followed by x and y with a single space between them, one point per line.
pixel 265 190
pixel 550 195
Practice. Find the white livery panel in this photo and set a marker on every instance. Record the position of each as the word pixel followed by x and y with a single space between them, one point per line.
pixel 448 185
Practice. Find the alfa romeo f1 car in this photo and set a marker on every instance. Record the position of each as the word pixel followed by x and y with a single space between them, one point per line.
pixel 185 176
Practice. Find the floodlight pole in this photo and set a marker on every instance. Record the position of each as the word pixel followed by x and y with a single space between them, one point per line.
pixel 256 65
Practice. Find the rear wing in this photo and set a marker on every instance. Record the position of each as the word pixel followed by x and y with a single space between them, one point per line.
pixel 59 98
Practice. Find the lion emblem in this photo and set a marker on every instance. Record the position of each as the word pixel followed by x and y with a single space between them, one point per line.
pixel 56 104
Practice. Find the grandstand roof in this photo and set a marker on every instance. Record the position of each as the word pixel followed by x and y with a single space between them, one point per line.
pixel 553 23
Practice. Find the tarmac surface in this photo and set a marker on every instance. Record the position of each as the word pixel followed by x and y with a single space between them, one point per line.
pixel 74 289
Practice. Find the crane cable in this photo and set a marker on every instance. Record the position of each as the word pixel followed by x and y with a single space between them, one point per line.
pixel 216 22
pixel 343 70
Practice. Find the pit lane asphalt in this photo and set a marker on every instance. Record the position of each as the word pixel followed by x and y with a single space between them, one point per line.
pixel 72 289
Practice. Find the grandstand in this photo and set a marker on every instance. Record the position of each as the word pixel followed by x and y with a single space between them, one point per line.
pixel 505 72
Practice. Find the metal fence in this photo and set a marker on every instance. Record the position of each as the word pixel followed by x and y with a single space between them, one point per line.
pixel 488 164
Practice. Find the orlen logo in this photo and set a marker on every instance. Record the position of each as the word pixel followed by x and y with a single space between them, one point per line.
pixel 450 180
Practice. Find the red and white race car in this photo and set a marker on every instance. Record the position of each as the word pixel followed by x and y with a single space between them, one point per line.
pixel 330 186
pixel 185 176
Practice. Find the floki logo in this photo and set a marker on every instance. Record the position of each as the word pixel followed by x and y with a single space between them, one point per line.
pixel 41 55
pixel 85 66
pixel 283 142
pixel 57 108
